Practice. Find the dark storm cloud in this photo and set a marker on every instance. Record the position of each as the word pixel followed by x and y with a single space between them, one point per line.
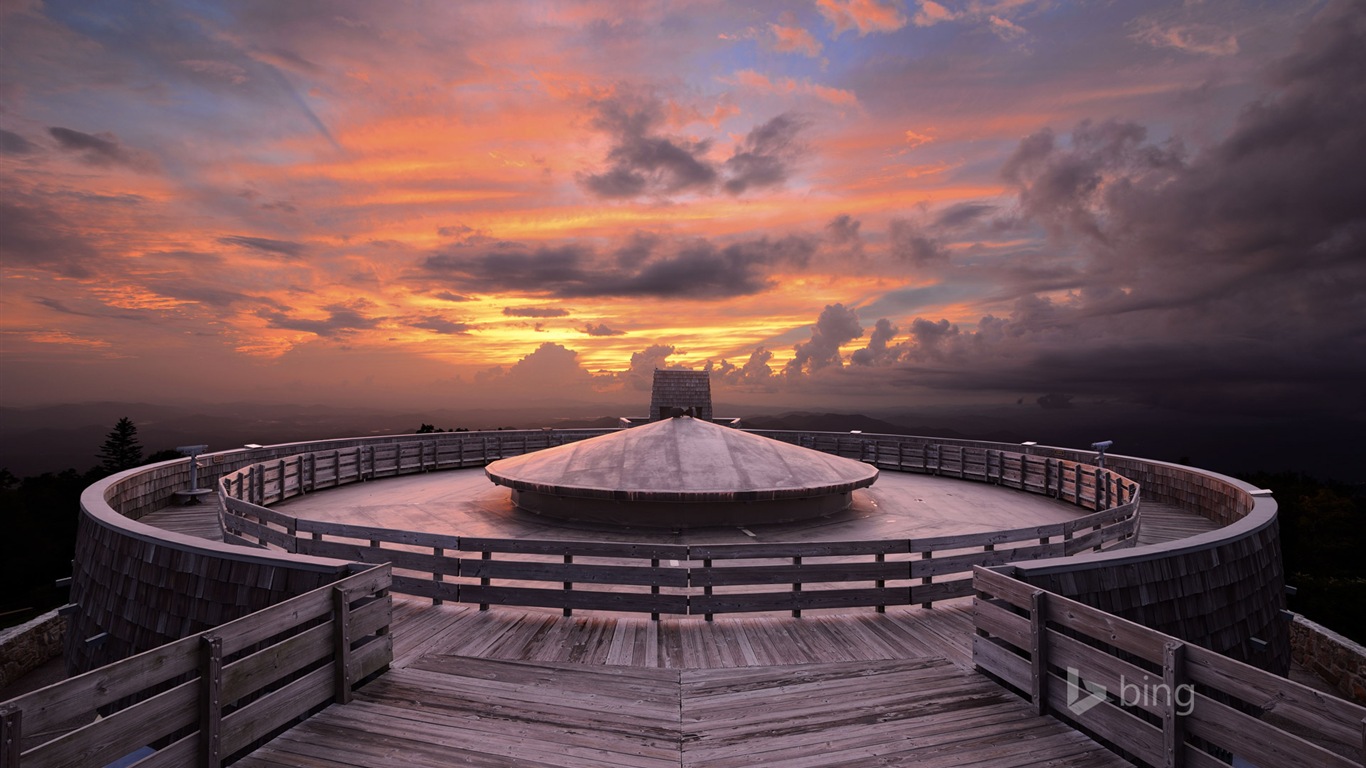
pixel 100 149
pixel 1232 273
pixel 646 266
pixel 340 321
pixel 913 244
pixel 13 144
pixel 843 232
pixel 754 373
pixel 442 325
pixel 601 329
pixel 535 312
pixel 641 161
pixel 59 306
pixel 877 352
pixel 40 238
pixel 266 245
pixel 448 296
pixel 186 290
pixel 963 214
pixel 836 326
pixel 764 158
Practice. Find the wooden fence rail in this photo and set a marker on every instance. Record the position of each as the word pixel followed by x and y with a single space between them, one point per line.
pixel 206 698
pixel 1153 698
pixel 678 579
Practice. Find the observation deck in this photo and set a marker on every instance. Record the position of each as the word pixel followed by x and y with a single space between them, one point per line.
pixel 578 650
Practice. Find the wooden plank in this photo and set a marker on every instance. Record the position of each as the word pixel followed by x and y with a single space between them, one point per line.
pixel 364 553
pixel 992 617
pixel 112 737
pixel 1100 667
pixel 575 572
pixel 176 755
pixel 11 733
pixel 256 627
pixel 1038 653
pixel 341 646
pixel 1108 628
pixel 1254 740
pixel 943 590
pixel 375 533
pixel 261 717
pixel 806 573
pixel 1118 726
pixel 1335 718
pixel 962 563
pixel 999 585
pixel 1173 722
pixel 630 550
pixel 421 586
pixel 796 549
pixel 999 661
pixel 752 602
pixel 46 707
pixel 584 599
pixel 211 701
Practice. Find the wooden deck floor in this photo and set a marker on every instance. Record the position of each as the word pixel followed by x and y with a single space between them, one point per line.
pixel 195 520
pixel 1160 522
pixel 530 688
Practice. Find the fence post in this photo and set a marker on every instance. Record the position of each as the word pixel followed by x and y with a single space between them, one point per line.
pixel 11 729
pixel 654 588
pixel 796 589
pixel 341 642
pixel 881 583
pixel 1038 651
pixel 706 590
pixel 927 579
pixel 484 580
pixel 437 576
pixel 1173 727
pixel 210 701
pixel 568 586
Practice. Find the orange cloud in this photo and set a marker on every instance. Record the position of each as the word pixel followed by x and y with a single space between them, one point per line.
pixel 794 40
pixel 748 78
pixel 864 15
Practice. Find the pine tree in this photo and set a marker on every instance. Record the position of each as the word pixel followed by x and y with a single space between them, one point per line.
pixel 121 449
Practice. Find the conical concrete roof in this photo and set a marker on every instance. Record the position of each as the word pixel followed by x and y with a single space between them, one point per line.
pixel 681 460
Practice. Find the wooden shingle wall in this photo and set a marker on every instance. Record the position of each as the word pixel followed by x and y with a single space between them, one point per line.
pixel 134 591
pixel 681 389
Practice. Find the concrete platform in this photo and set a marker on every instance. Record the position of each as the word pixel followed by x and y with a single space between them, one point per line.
pixel 900 505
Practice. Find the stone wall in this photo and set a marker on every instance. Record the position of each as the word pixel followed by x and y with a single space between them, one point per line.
pixel 1335 659
pixel 30 645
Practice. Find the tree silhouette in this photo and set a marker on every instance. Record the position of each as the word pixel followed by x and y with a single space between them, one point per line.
pixel 121 449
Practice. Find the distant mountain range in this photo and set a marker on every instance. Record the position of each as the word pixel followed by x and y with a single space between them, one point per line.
pixel 53 438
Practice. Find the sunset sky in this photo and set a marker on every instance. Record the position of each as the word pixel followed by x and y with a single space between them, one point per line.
pixel 851 202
